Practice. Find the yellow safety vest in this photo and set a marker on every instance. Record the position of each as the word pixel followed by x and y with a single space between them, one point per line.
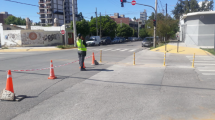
pixel 81 46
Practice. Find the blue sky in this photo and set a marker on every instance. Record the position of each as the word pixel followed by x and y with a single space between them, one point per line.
pixel 87 7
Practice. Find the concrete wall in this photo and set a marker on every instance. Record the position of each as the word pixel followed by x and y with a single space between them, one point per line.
pixel 11 38
pixel 200 30
pixel 51 28
pixel 31 38
pixel 40 38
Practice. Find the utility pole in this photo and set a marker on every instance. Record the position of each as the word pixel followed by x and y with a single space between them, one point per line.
pixel 166 23
pixel 154 42
pixel 100 27
pixel 64 21
pixel 121 23
pixel 96 23
pixel 74 22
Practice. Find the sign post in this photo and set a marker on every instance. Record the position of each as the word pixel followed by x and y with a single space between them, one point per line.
pixel 63 33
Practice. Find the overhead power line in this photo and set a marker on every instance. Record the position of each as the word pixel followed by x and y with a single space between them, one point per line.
pixel 22 3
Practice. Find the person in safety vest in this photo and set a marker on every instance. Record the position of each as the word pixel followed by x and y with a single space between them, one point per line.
pixel 82 51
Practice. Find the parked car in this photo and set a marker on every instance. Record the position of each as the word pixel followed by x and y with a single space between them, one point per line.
pixel 139 39
pixel 129 39
pixel 123 39
pixel 106 40
pixel 134 39
pixel 148 41
pixel 120 39
pixel 94 40
pixel 115 40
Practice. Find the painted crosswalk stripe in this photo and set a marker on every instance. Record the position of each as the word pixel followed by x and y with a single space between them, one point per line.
pixel 208 73
pixel 207 70
pixel 132 50
pixel 203 64
pixel 203 61
pixel 123 49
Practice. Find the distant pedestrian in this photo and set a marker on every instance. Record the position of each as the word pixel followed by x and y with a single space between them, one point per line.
pixel 82 51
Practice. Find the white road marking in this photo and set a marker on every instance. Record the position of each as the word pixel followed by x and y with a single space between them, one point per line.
pixel 123 49
pixel 203 61
pixel 199 56
pixel 207 70
pixel 106 50
pixel 202 64
pixel 208 73
pixel 132 50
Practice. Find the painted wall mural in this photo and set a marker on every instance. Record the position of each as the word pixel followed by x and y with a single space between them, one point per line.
pixel 34 38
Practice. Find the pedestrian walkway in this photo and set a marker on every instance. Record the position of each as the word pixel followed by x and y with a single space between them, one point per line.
pixel 147 90
pixel 112 49
pixel 181 50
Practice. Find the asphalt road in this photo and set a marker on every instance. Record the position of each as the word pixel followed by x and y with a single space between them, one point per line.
pixel 35 84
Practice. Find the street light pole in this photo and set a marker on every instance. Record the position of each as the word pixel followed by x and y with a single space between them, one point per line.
pixel 74 22
pixel 154 41
pixel 64 21
pixel 96 23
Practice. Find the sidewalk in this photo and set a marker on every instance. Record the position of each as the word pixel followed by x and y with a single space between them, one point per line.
pixel 145 91
pixel 183 49
pixel 27 49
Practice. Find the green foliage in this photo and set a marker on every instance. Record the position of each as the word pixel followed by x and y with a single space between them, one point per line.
pixel 143 33
pixel 80 16
pixel 124 31
pixel 187 6
pixel 15 20
pixel 65 46
pixel 82 27
pixel 134 18
pixel 209 50
pixel 107 24
pixel 166 26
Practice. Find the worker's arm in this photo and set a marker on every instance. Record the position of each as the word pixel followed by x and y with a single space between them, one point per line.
pixel 84 42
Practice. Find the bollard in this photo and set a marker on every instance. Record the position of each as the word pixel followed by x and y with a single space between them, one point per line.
pixel 134 59
pixel 193 60
pixel 164 61
pixel 100 56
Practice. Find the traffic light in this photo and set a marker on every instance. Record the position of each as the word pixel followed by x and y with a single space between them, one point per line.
pixel 154 21
pixel 122 5
pixel 122 2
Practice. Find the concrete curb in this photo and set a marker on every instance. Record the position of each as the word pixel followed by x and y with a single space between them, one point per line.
pixel 30 50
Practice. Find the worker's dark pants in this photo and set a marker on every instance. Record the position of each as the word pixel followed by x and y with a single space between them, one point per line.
pixel 81 55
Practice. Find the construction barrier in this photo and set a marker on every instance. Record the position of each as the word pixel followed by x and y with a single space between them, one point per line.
pixel 193 60
pixel 164 61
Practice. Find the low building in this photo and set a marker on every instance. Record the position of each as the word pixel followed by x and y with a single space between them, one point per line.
pixel 198 28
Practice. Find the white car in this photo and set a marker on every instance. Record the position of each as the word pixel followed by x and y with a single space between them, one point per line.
pixel 94 40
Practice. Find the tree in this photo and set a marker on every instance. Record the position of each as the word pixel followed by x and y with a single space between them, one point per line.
pixel 143 33
pixel 15 20
pixel 124 31
pixel 91 17
pixel 194 6
pixel 134 18
pixel 82 27
pixel 107 24
pixel 80 16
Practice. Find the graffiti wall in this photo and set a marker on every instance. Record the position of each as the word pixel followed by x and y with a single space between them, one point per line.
pixel 38 37
pixel 11 38
pixel 31 38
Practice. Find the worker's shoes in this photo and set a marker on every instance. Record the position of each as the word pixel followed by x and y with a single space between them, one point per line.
pixel 83 69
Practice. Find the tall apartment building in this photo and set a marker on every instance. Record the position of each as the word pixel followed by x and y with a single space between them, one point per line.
pixel 51 9
pixel 3 15
pixel 143 16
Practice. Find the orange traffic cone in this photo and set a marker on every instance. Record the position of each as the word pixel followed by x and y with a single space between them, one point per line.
pixel 83 66
pixel 93 59
pixel 9 84
pixel 52 76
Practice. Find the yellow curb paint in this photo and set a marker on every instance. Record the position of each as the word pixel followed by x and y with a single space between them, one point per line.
pixel 182 50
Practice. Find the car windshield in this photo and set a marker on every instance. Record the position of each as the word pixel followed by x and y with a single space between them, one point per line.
pixel 148 39
pixel 104 38
pixel 91 39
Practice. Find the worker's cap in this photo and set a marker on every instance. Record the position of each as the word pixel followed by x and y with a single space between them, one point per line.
pixel 79 35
